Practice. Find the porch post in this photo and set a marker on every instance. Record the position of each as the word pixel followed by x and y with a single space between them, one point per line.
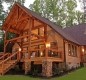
pixel 45 35
pixel 27 62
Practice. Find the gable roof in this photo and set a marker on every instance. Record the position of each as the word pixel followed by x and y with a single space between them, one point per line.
pixel 78 32
pixel 59 30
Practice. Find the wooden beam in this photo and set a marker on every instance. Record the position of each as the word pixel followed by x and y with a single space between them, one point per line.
pixel 45 35
pixel 24 18
pixel 29 38
pixel 23 25
pixel 39 26
pixel 35 27
pixel 17 38
pixel 35 41
pixel 34 44
pixel 27 12
pixel 18 18
pixel 8 28
pixel 14 31
pixel 24 37
pixel 32 23
pixel 38 20
pixel 38 36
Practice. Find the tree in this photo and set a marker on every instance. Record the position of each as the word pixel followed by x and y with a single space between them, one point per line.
pixel 2 14
pixel 61 12
pixel 2 17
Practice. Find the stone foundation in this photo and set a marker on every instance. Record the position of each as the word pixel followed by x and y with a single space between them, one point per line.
pixel 47 68
pixel 27 67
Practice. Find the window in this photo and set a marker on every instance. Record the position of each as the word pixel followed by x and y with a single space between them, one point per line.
pixel 72 50
pixel 75 51
pixel 69 49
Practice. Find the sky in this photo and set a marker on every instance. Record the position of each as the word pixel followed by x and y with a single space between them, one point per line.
pixel 28 2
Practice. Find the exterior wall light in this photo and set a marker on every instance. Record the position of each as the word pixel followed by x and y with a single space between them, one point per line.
pixel 41 54
pixel 19 49
pixel 48 45
pixel 83 50
pixel 25 39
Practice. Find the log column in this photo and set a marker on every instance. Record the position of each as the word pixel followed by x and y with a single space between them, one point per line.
pixel 47 68
pixel 27 61
pixel 45 35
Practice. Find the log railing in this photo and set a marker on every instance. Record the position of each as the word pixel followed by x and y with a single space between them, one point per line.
pixel 7 63
pixel 4 56
pixel 25 36
pixel 42 53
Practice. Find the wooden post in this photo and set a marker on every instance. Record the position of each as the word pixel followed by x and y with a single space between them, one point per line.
pixel 27 63
pixel 29 38
pixel 45 35
pixel 38 45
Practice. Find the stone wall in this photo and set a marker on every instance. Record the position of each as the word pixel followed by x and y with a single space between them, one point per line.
pixel 27 67
pixel 47 68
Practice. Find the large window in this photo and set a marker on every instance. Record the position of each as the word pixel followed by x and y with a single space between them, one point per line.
pixel 72 50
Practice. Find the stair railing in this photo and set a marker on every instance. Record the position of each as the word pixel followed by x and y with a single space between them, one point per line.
pixel 4 56
pixel 14 56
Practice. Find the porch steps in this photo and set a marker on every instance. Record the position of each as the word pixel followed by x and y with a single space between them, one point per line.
pixel 8 63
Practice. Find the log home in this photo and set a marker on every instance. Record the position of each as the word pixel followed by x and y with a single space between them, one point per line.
pixel 39 44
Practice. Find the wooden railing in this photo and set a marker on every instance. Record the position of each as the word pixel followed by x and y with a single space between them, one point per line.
pixel 4 56
pixel 54 53
pixel 7 63
pixel 42 53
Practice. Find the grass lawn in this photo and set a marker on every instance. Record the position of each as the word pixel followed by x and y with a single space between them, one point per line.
pixel 76 75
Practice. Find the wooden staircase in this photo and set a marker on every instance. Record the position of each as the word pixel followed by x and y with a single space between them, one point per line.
pixel 8 63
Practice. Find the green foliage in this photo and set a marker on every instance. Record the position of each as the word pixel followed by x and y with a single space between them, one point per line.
pixel 1 41
pixel 2 14
pixel 61 12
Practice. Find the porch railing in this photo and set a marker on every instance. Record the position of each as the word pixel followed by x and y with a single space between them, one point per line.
pixel 42 53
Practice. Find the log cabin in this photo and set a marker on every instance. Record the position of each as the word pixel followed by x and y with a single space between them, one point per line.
pixel 39 44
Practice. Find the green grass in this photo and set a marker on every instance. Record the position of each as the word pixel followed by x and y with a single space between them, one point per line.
pixel 76 75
